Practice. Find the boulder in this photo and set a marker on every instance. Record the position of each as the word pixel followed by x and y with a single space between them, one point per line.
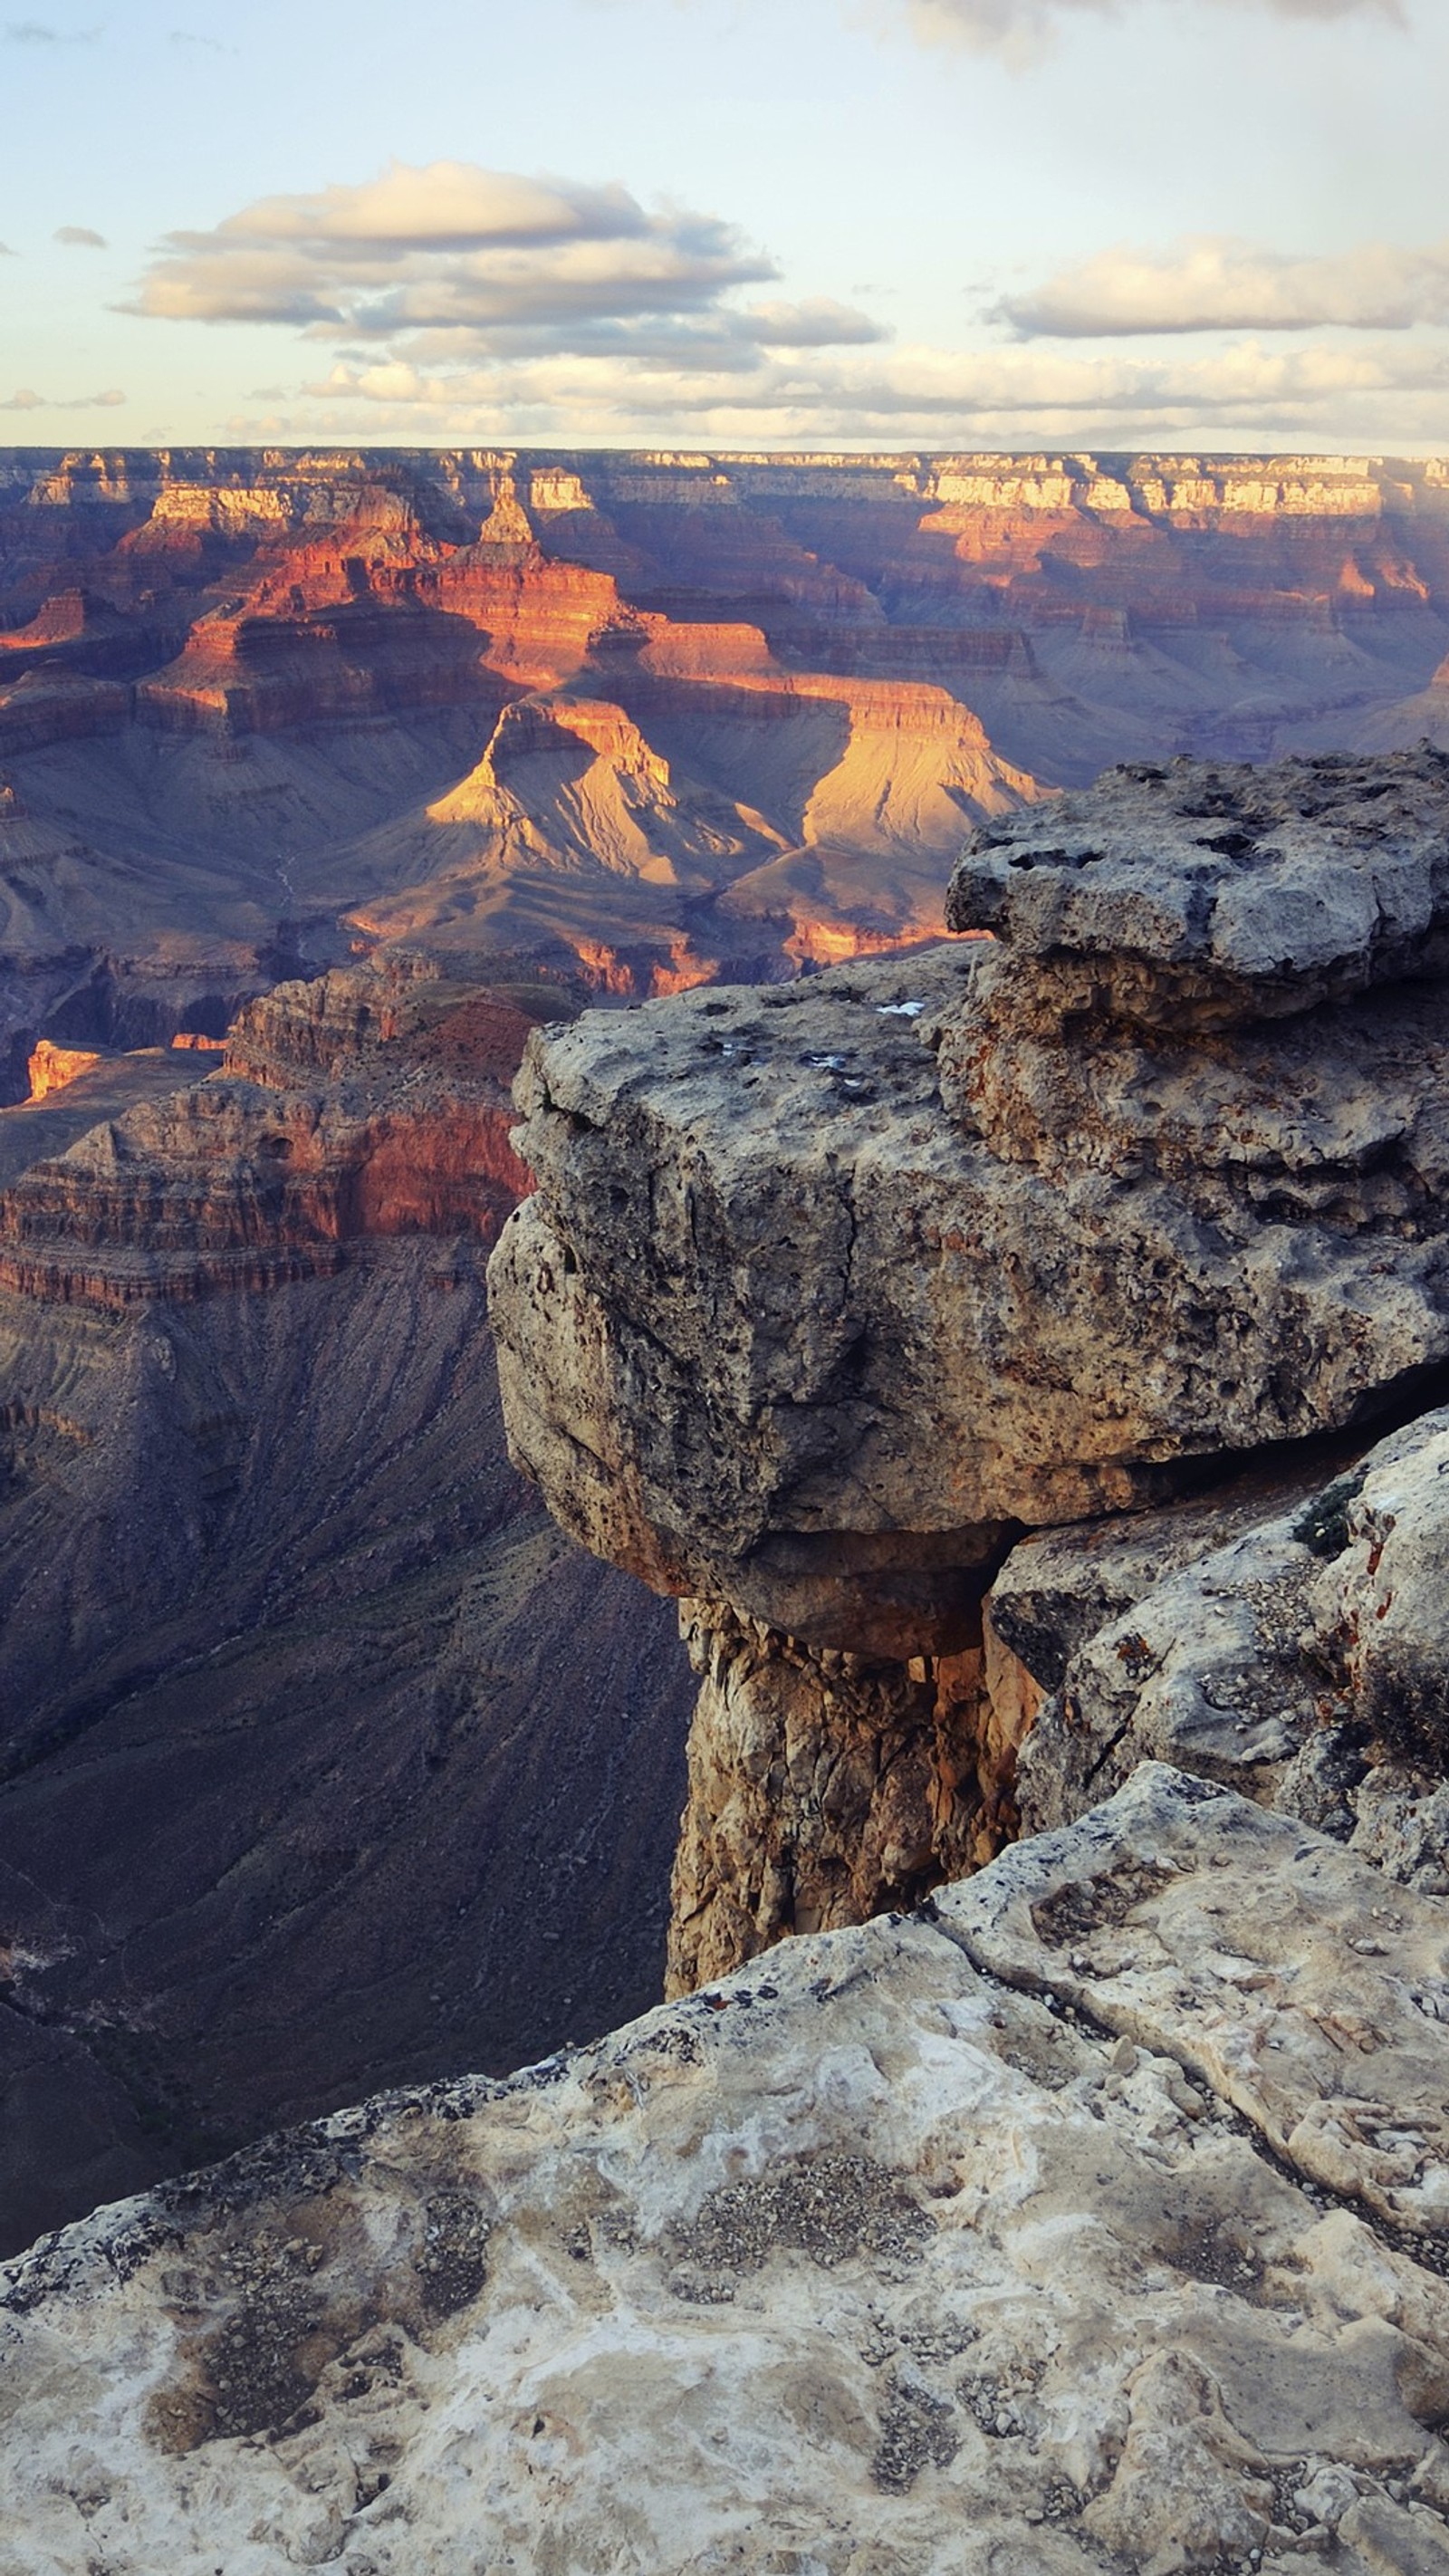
pixel 825 1293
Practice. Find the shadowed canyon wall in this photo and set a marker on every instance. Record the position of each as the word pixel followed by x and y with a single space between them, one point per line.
pixel 326 1761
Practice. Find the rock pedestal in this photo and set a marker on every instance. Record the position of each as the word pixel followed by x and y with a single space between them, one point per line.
pixel 827 1295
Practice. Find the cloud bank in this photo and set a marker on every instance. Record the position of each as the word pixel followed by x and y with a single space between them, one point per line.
pixel 455 260
pixel 27 399
pixel 457 302
pixel 1022 29
pixel 36 31
pixel 1212 282
pixel 917 396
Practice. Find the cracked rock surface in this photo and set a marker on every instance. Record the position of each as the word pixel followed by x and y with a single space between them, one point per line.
pixel 1296 1654
pixel 1200 893
pixel 1098 2222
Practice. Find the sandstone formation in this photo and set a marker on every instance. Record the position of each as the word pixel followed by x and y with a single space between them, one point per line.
pixel 249 700
pixel 983 1186
pixel 1095 2220
pixel 826 1294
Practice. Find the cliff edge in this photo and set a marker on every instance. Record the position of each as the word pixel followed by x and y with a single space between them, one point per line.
pixel 827 1296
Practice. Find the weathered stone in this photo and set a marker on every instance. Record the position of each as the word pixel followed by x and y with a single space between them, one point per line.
pixel 1197 895
pixel 887 2262
pixel 1274 1966
pixel 778 1329
pixel 1302 1660
pixel 825 1787
pixel 1059 1587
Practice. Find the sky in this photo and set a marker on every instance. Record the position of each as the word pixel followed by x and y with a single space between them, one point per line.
pixel 727 224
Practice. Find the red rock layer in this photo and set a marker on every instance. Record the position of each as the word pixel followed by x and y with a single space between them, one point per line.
pixel 346 1109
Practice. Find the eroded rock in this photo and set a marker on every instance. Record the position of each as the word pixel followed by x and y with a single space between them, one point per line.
pixel 823 1290
pixel 891 2259
pixel 1301 1659
pixel 825 1787
pixel 1203 896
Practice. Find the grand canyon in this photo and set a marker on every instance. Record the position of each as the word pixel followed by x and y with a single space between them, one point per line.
pixel 723 1186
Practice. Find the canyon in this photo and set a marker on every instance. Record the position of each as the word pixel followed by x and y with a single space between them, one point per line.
pixel 1040 2159
pixel 644 720
pixel 568 1253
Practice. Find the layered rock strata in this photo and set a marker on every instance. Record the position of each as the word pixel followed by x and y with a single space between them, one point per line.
pixel 1095 2220
pixel 354 1107
pixel 824 1295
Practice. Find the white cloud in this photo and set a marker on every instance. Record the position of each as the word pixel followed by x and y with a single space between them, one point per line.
pixel 36 31
pixel 81 237
pixel 27 399
pixel 487 262
pixel 1021 29
pixel 1212 282
pixel 1367 393
pixel 456 302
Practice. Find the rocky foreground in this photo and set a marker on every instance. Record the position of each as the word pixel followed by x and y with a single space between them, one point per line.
pixel 1096 2220
pixel 1027 1362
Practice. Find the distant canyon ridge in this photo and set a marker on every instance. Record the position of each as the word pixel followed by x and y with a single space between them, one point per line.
pixel 631 721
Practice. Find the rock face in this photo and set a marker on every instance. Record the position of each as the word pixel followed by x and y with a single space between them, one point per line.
pixel 826 1787
pixel 1299 1658
pixel 972 1349
pixel 1096 2221
pixel 825 1294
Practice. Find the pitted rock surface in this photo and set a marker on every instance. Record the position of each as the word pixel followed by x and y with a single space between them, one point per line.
pixel 1300 1658
pixel 825 1291
pixel 1200 895
pixel 887 2262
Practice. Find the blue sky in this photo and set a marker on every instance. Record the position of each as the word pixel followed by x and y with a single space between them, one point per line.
pixel 728 223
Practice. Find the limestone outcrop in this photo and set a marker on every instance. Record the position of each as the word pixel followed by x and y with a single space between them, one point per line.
pixel 826 1787
pixel 1094 2220
pixel 825 1296
pixel 820 1293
